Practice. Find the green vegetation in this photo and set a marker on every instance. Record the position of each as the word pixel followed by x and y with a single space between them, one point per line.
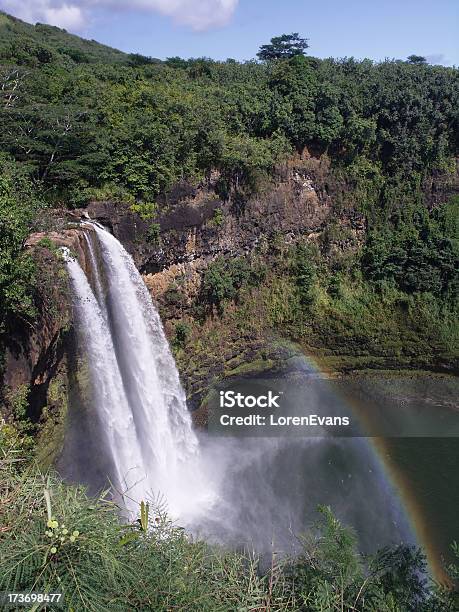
pixel 79 121
pixel 218 218
pixel 392 305
pixel 182 334
pixel 153 234
pixel 16 403
pixel 45 44
pixel 80 117
pixel 304 273
pixel 146 210
pixel 223 280
pixel 420 253
pixel 416 59
pixel 56 539
pixel 18 206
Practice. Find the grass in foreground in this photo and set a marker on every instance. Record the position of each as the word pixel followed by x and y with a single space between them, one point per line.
pixel 54 538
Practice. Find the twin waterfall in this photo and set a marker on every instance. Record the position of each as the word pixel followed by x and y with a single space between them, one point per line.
pixel 137 397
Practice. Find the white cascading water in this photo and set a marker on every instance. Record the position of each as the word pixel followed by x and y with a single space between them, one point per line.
pixel 137 392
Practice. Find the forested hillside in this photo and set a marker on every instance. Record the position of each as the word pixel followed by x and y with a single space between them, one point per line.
pixel 80 121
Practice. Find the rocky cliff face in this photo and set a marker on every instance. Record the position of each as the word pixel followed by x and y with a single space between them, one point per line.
pixel 197 226
pixel 36 355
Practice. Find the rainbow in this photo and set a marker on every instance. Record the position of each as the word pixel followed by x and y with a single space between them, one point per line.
pixel 413 510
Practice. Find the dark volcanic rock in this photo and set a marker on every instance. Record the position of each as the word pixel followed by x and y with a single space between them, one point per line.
pixel 299 203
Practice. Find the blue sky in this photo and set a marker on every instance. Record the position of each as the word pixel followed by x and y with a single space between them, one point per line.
pixel 236 28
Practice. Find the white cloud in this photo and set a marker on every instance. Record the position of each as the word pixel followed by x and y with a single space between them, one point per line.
pixel 66 16
pixel 439 59
pixel 75 14
pixel 55 12
pixel 199 15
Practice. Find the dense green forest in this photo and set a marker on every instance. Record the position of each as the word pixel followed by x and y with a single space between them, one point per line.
pixel 81 117
pixel 81 121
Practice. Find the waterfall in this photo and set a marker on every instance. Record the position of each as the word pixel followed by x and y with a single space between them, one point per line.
pixel 137 395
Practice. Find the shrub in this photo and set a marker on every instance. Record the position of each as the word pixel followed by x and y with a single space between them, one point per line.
pixel 182 333
pixel 421 253
pixel 18 206
pixel 153 234
pixel 223 279
pixel 217 283
pixel 146 210
pixel 304 271
pixel 56 539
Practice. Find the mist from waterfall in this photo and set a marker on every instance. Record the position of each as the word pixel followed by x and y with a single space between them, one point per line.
pixel 139 402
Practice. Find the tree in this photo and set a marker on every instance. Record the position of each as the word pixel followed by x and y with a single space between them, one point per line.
pixel 217 284
pixel 11 80
pixel 294 85
pixel 285 46
pixel 416 59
